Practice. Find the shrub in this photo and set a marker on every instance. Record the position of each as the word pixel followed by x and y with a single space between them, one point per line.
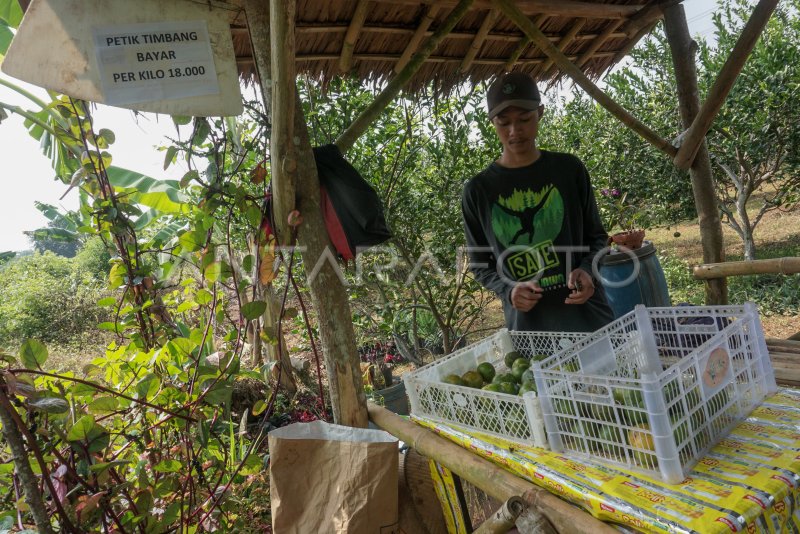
pixel 47 297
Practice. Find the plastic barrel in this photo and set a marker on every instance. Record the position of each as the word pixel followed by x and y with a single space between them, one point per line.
pixel 633 277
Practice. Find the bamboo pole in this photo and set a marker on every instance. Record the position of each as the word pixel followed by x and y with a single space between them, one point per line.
pixel 283 150
pixel 695 133
pixel 350 38
pixel 416 39
pixel 705 197
pixel 480 38
pixel 496 482
pixel 565 8
pixel 503 518
pixel 348 138
pixel 743 268
pixel 512 11
pixel 258 27
pixel 569 37
pixel 538 20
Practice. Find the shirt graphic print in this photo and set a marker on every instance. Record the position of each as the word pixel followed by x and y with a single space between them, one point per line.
pixel 526 223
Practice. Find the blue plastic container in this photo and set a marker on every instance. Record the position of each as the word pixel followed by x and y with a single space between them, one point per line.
pixel 633 277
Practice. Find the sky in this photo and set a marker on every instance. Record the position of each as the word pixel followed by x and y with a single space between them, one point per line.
pixel 26 175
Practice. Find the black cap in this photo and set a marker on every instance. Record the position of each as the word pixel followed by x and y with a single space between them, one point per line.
pixel 512 89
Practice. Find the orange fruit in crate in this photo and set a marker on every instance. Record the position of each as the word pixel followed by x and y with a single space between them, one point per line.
pixel 472 379
pixel 453 379
pixel 487 371
pixel 510 357
pixel 643 439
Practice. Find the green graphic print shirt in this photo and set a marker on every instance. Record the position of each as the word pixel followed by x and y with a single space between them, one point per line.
pixel 536 223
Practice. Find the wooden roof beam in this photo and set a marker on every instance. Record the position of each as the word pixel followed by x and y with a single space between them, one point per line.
pixel 480 37
pixel 430 59
pixel 523 44
pixel 416 39
pixel 562 45
pixel 350 38
pixel 348 138
pixel 646 17
pixel 526 25
pixel 566 8
pixel 696 133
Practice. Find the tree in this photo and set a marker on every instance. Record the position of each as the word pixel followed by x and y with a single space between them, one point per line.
pixel 755 141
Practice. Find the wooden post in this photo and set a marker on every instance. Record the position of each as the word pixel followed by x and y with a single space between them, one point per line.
pixel 705 198
pixel 495 481
pixel 540 39
pixel 365 118
pixel 294 169
pixel 696 132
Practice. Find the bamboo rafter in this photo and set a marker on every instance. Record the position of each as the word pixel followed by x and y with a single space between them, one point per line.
pixel 563 44
pixel 480 37
pixel 567 8
pixel 416 39
pixel 350 38
pixel 538 21
pixel 597 43
pixel 510 9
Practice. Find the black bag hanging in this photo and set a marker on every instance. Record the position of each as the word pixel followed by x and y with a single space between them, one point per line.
pixel 352 209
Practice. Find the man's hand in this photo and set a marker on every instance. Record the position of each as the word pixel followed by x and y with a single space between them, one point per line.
pixel 581 285
pixel 525 295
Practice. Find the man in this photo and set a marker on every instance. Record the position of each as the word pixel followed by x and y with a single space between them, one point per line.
pixel 531 222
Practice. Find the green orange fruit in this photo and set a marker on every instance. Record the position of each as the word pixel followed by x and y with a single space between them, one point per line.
pixel 472 379
pixel 510 357
pixel 487 371
pixel 453 379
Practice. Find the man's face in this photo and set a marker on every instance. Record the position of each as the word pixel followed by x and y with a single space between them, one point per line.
pixel 517 128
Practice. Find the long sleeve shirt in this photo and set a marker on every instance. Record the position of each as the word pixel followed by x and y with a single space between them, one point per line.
pixel 537 222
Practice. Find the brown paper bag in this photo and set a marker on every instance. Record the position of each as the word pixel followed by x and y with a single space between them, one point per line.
pixel 327 478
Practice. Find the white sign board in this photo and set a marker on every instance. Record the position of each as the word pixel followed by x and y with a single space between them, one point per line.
pixel 157 61
pixel 63 45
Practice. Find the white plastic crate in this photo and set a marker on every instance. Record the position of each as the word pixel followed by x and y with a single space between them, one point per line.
pixel 509 416
pixel 657 388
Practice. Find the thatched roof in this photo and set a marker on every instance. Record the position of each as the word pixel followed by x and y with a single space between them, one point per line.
pixel 595 35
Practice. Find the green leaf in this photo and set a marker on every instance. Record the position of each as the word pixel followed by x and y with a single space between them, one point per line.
pixel 33 354
pixel 103 466
pixel 203 297
pixel 6 35
pixel 188 177
pixel 213 272
pixel 192 240
pixel 252 465
pixel 50 404
pixel 162 195
pixel 247 263
pixel 259 407
pixel 254 310
pixel 181 120
pixel 83 429
pixel 253 215
pixel 167 466
pixel 10 12
pixel 170 156
pixel 103 404
pixel 116 276
pixel 108 301
pixel 186 306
